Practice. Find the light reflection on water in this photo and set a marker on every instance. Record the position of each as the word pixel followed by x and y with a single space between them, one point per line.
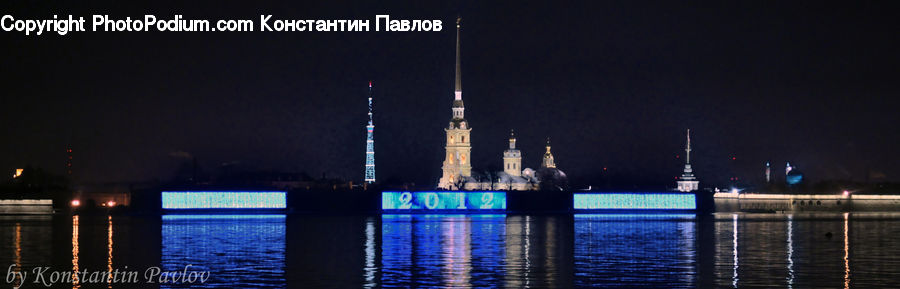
pixel 635 250
pixel 443 251
pixel 109 257
pixel 240 251
pixel 846 250
pixel 515 251
pixel 790 251
pixel 17 282
pixel 75 251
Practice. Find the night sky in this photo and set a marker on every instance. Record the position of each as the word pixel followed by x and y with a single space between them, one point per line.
pixel 613 84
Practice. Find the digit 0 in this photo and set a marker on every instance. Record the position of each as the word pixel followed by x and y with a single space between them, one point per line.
pixel 431 200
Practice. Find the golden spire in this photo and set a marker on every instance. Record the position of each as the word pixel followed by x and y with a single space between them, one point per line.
pixel 458 72
pixel 548 162
pixel 687 149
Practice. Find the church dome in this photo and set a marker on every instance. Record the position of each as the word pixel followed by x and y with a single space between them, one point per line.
pixel 528 173
pixel 503 177
pixel 794 177
pixel 552 179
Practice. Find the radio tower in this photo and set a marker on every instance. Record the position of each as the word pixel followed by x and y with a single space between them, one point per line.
pixel 370 143
pixel 69 162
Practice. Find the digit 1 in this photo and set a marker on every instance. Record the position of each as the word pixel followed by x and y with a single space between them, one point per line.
pixel 461 201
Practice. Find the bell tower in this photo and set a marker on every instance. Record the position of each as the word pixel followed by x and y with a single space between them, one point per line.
pixel 512 158
pixel 457 167
pixel 548 161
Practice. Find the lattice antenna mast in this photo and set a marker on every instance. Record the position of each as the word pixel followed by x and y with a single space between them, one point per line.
pixel 370 143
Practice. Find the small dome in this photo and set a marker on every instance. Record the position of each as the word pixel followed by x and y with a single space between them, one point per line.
pixel 552 179
pixel 528 172
pixel 503 177
pixel 794 177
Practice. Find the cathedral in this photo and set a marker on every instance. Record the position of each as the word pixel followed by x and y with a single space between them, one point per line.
pixel 457 169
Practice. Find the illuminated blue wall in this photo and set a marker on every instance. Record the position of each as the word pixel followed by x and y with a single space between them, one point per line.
pixel 430 201
pixel 634 201
pixel 224 200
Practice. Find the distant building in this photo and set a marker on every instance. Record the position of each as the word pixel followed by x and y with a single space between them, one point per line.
pixel 687 182
pixel 548 161
pixel 549 176
pixel 102 195
pixel 457 169
pixel 512 158
pixel 513 176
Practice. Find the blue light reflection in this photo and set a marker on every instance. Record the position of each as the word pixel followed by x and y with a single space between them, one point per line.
pixel 442 250
pixel 239 251
pixel 644 251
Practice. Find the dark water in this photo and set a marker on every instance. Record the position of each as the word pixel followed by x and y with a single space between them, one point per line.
pixel 826 250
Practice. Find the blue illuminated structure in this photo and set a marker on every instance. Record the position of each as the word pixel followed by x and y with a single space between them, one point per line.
pixel 443 201
pixel 223 200
pixel 370 143
pixel 636 217
pixel 220 217
pixel 634 201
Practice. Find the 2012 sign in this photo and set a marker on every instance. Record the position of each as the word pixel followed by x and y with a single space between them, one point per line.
pixel 426 201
